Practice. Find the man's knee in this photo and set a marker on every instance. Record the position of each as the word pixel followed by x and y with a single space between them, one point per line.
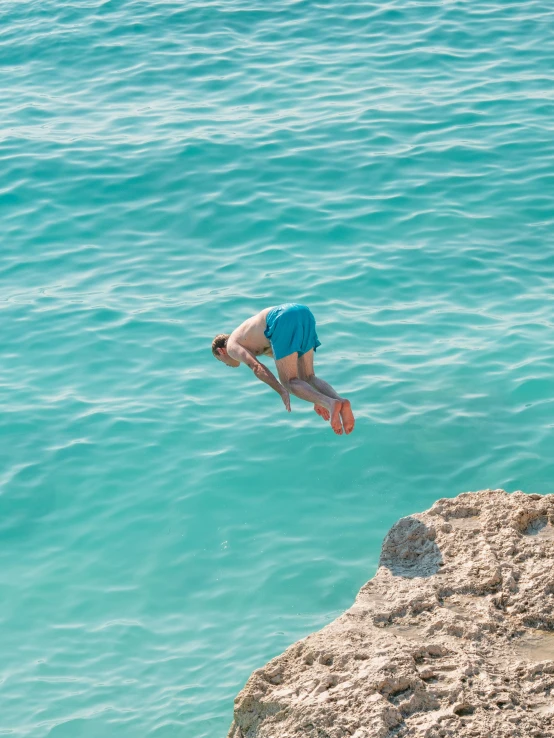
pixel 292 381
pixel 287 382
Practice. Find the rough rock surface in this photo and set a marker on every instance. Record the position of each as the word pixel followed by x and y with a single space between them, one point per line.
pixel 454 636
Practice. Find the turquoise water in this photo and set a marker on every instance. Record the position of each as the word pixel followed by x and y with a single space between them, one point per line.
pixel 168 169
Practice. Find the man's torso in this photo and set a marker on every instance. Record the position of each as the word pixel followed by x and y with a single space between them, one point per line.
pixel 250 334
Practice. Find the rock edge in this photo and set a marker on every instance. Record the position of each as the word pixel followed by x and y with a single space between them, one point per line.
pixel 453 636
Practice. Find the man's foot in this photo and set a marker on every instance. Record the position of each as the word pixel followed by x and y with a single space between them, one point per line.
pixel 335 417
pixel 347 416
pixel 322 412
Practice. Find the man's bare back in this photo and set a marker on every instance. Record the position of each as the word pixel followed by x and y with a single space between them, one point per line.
pixel 288 333
pixel 250 335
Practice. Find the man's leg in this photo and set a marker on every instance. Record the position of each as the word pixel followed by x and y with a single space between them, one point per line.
pixel 320 410
pixel 306 372
pixel 287 368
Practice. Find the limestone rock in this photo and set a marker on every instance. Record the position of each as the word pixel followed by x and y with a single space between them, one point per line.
pixel 454 636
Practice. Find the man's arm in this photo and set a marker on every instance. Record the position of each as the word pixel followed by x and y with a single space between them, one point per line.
pixel 238 352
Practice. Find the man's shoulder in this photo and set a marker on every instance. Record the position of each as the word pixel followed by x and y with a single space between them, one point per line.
pixel 233 339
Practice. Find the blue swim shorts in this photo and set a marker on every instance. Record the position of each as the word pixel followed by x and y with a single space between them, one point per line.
pixel 291 328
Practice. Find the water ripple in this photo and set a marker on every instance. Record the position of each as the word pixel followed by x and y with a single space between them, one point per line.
pixel 168 169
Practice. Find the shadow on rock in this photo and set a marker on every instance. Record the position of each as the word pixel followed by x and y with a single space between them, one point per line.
pixel 409 549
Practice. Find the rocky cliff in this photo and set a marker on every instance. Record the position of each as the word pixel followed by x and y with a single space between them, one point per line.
pixel 454 636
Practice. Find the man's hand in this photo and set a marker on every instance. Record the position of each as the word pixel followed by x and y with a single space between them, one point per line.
pixel 258 369
pixel 286 399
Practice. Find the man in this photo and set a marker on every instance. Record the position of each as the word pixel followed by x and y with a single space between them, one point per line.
pixel 286 332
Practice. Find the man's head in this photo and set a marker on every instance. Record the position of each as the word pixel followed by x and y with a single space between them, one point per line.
pixel 219 350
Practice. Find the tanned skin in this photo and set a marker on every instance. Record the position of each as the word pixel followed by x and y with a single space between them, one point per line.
pixel 296 374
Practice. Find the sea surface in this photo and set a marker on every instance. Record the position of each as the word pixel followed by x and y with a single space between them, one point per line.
pixel 169 168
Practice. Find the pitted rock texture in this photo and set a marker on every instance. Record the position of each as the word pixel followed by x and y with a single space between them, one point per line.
pixel 454 636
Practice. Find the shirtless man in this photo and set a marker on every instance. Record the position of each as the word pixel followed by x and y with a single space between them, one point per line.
pixel 286 332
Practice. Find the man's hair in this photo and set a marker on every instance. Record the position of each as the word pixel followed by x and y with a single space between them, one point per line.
pixel 219 342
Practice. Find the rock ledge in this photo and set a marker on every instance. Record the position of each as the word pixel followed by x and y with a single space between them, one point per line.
pixel 454 636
